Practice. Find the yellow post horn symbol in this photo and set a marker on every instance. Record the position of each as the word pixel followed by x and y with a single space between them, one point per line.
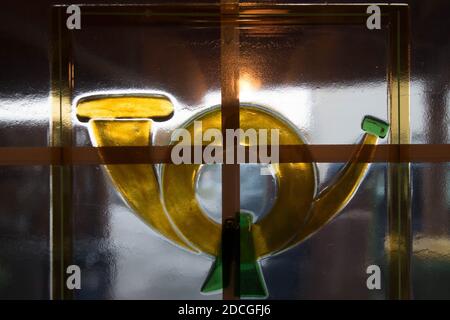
pixel 299 210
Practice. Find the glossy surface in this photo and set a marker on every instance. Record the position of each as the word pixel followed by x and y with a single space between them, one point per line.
pixel 136 183
pixel 134 261
pixel 339 75
pixel 297 213
pixel 258 193
pixel 270 233
pixel 124 107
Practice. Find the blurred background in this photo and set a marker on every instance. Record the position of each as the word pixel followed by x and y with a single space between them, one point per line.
pixel 323 79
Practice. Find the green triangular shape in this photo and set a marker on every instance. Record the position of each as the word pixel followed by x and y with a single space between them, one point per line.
pixel 214 280
pixel 251 284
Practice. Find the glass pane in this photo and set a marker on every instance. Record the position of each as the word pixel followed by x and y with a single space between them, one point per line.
pixel 24 190
pixel 310 76
pixel 122 257
pixel 431 236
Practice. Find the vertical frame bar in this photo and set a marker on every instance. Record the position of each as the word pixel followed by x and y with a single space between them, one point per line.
pixel 61 175
pixel 229 65
pixel 399 181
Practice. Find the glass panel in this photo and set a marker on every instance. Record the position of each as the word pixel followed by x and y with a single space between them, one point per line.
pixel 319 79
pixel 431 236
pixel 324 87
pixel 430 110
pixel 122 257
pixel 24 190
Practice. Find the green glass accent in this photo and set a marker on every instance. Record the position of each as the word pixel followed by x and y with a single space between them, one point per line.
pixel 252 283
pixel 214 280
pixel 375 126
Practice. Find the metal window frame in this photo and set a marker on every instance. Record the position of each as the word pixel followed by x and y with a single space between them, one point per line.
pixel 230 15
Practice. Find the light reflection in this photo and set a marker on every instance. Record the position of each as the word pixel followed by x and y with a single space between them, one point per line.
pixel 431 247
pixel 33 108
pixel 293 103
pixel 248 83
